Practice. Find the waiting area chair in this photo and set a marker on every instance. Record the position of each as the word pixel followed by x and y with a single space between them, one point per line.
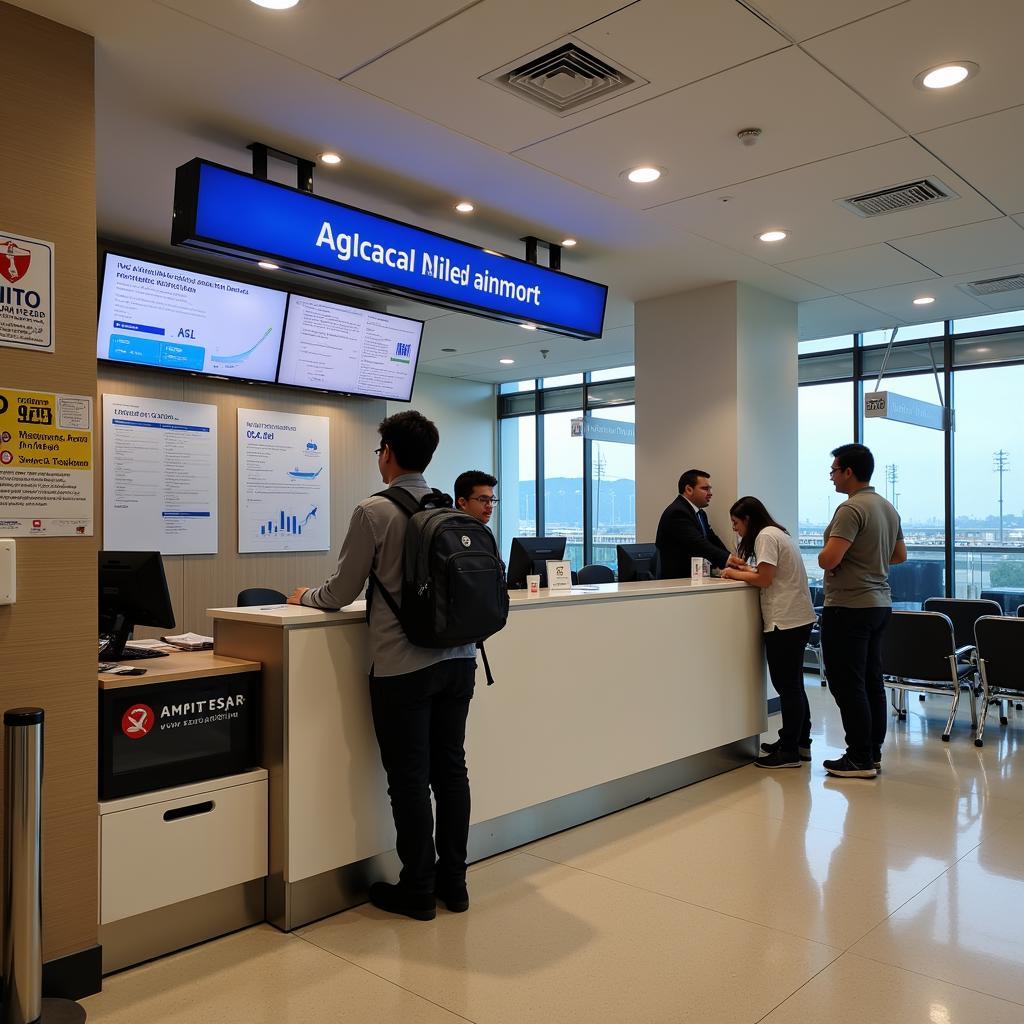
pixel 260 595
pixel 814 641
pixel 1000 644
pixel 919 653
pixel 596 574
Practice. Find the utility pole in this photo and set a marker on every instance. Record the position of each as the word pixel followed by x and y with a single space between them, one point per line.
pixel 892 475
pixel 598 474
pixel 1001 465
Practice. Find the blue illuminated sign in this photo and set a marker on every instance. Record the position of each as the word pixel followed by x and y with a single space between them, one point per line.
pixel 227 211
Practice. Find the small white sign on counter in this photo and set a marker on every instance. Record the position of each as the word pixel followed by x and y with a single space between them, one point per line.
pixel 700 570
pixel 559 574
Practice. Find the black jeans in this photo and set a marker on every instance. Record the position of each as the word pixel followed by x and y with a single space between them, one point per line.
pixel 420 722
pixel 784 650
pixel 851 642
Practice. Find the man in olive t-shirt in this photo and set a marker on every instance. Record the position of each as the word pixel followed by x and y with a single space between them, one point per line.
pixel 862 541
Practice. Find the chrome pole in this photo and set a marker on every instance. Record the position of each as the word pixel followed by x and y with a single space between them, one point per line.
pixel 22 961
pixel 23 905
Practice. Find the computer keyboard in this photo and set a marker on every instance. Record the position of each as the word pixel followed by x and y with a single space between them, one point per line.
pixel 138 653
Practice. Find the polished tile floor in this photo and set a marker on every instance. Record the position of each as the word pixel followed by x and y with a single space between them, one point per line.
pixel 784 897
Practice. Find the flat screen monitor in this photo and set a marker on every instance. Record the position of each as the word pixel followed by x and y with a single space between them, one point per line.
pixel 354 351
pixel 528 556
pixel 132 592
pixel 636 562
pixel 156 315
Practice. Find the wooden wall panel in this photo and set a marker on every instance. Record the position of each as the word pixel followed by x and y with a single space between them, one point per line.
pixel 198 582
pixel 47 639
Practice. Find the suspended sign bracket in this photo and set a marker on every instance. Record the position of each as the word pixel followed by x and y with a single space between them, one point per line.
pixel 888 405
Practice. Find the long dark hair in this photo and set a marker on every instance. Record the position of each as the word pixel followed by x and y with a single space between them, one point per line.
pixel 757 516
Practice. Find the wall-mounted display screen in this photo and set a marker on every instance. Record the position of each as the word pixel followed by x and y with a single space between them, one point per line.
pixel 341 348
pixel 156 315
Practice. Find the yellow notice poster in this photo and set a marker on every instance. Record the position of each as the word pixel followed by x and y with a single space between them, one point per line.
pixel 46 464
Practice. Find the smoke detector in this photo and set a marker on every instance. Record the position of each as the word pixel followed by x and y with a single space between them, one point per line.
pixel 749 136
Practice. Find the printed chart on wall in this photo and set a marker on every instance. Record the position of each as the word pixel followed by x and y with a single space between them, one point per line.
pixel 159 476
pixel 45 464
pixel 284 482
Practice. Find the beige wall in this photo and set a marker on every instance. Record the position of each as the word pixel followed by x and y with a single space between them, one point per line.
pixel 198 582
pixel 716 390
pixel 49 192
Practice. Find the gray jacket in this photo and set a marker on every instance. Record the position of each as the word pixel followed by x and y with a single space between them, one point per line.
pixel 376 540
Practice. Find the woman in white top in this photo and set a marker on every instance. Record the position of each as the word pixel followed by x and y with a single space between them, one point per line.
pixel 788 616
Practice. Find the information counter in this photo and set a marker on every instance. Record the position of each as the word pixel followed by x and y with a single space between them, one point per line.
pixel 603 697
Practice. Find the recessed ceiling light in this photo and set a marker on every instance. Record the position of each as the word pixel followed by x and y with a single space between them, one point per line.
pixel 772 236
pixel 275 5
pixel 506 362
pixel 464 207
pixel 330 158
pixel 528 327
pixel 643 175
pixel 924 300
pixel 946 75
pixel 267 265
pixel 568 243
pixel 449 350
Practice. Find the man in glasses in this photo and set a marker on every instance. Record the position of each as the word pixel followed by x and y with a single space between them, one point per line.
pixel 474 494
pixel 862 541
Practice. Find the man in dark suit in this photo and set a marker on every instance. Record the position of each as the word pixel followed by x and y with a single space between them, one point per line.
pixel 684 531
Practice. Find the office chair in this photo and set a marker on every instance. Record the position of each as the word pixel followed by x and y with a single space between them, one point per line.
pixel 919 653
pixel 1000 644
pixel 596 574
pixel 260 595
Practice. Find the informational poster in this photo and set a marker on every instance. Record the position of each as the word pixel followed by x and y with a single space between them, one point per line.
pixel 46 464
pixel 159 476
pixel 284 482
pixel 26 293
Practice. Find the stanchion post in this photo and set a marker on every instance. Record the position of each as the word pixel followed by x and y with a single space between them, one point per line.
pixel 22 962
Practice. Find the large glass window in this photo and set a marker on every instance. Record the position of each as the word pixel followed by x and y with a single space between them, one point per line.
pixel 612 487
pixel 563 484
pixel 989 482
pixel 517 482
pixel 557 479
pixel 910 472
pixel 826 421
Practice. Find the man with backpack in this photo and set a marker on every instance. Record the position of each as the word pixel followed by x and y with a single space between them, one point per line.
pixel 423 561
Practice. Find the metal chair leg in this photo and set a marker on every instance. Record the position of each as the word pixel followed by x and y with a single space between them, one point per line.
pixel 974 705
pixel 979 736
pixel 952 714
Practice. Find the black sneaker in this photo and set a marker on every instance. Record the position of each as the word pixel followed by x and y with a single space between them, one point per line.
pixel 845 768
pixel 770 748
pixel 454 896
pixel 780 759
pixel 395 900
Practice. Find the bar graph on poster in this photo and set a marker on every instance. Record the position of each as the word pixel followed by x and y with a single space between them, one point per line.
pixel 283 482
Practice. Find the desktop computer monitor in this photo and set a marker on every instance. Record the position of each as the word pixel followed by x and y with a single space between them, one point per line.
pixel 132 592
pixel 637 562
pixel 528 556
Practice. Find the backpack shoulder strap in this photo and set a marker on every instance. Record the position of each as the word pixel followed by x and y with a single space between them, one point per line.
pixel 402 498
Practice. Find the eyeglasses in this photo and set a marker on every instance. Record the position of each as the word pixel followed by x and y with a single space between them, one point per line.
pixel 377 451
pixel 834 470
pixel 485 500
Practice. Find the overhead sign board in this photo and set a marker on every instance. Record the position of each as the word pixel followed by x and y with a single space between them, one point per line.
pixel 594 429
pixel 887 405
pixel 227 211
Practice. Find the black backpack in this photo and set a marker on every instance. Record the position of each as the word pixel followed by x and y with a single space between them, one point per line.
pixel 453 582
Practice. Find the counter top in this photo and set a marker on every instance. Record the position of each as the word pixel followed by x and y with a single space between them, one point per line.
pixel 178 666
pixel 290 615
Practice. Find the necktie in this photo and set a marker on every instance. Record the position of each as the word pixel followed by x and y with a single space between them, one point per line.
pixel 703 520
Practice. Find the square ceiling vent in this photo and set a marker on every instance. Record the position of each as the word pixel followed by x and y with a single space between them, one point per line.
pixel 993 285
pixel 907 196
pixel 565 78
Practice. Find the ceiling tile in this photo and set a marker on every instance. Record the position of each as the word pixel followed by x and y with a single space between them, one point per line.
pixel 988 152
pixel 802 202
pixel 870 266
pixel 804 112
pixel 881 55
pixel 963 250
pixel 1001 301
pixel 802 19
pixel 897 303
pixel 668 43
pixel 324 34
pixel 827 318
